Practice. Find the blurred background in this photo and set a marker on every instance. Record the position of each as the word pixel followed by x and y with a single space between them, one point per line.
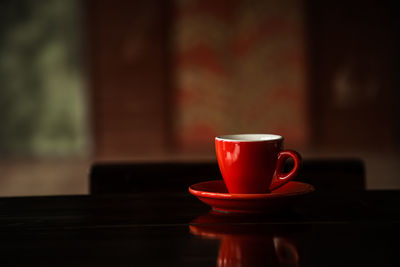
pixel 102 80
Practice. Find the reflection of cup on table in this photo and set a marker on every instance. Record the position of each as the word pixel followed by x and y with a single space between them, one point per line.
pixel 256 251
pixel 253 163
pixel 245 244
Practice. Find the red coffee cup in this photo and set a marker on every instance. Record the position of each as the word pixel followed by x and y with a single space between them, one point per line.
pixel 253 163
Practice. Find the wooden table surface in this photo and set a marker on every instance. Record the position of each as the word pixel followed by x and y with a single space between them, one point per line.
pixel 175 229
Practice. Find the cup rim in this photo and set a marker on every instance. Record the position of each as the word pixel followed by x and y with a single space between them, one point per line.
pixel 249 138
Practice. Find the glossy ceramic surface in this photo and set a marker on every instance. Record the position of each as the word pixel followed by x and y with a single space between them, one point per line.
pixel 253 163
pixel 215 194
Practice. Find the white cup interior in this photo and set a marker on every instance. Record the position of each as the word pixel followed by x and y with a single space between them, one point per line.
pixel 249 137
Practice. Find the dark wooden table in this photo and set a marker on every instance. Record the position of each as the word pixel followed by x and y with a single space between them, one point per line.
pixel 175 229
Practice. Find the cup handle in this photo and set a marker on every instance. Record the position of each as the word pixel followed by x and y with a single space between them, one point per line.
pixel 280 177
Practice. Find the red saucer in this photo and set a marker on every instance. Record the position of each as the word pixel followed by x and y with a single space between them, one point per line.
pixel 215 194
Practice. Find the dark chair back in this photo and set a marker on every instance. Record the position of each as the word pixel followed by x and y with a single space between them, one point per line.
pixel 334 175
pixel 327 175
pixel 144 177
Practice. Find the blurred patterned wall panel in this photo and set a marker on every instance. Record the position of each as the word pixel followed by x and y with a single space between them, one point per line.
pixel 239 68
